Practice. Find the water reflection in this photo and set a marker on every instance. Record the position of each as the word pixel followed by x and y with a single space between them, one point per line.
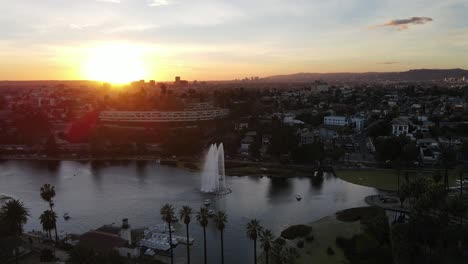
pixel 279 186
pixel 317 180
pixel 53 166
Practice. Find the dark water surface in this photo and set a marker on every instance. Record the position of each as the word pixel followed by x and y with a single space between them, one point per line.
pixel 95 195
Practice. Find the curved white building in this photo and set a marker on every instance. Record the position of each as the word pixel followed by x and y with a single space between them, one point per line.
pixel 163 116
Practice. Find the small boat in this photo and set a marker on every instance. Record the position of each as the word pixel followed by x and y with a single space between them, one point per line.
pixel 298 197
pixel 66 216
pixel 211 212
pixel 207 202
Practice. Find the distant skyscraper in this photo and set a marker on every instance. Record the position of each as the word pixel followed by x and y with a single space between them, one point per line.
pixel 177 79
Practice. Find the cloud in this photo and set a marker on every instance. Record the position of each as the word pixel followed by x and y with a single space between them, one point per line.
pixel 389 62
pixel 110 1
pixel 78 26
pixel 130 28
pixel 402 24
pixel 158 2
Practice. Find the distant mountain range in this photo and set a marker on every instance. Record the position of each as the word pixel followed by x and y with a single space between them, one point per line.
pixel 411 75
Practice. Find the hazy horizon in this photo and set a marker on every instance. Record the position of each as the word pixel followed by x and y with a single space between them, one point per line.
pixel 227 80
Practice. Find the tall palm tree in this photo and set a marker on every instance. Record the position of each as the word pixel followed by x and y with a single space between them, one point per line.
pixel 14 215
pixel 167 212
pixel 253 230
pixel 220 219
pixel 48 194
pixel 185 214
pixel 266 238
pixel 202 219
pixel 48 219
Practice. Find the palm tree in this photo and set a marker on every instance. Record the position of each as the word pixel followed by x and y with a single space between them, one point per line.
pixel 253 230
pixel 14 215
pixel 202 219
pixel 186 213
pixel 48 219
pixel 220 220
pixel 48 194
pixel 266 238
pixel 167 212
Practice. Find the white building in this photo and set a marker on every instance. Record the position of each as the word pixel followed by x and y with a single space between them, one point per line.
pixel 307 138
pixel 400 127
pixel 163 116
pixel 358 122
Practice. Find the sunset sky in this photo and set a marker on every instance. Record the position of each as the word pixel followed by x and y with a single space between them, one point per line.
pixel 227 39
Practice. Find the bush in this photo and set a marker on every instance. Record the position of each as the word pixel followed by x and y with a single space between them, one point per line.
pixel 342 242
pixel 310 238
pixel 190 166
pixel 47 255
pixel 330 251
pixel 280 241
pixel 296 231
pixel 356 214
pixel 300 244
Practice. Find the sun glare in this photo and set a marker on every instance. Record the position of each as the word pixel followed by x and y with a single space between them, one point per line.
pixel 117 64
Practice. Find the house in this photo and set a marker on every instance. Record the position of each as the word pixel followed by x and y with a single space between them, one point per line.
pixel 400 126
pixel 109 237
pixel 357 122
pixel 306 137
pixel 246 141
pixel 325 134
pixel 429 151
pixel 242 125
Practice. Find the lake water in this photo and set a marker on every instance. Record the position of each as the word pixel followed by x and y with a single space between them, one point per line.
pixel 95 195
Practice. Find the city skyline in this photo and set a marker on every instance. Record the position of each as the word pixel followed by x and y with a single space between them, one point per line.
pixel 122 40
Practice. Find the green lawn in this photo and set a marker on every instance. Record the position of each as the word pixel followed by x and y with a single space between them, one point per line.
pixel 381 179
pixel 325 232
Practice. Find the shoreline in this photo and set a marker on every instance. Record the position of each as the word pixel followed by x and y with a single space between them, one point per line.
pixel 128 158
pixel 238 168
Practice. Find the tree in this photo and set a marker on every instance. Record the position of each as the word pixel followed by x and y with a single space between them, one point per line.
pixel 282 254
pixel 14 215
pixel 410 153
pixel 220 219
pixel 51 145
pixel 253 230
pixel 185 214
pixel 266 239
pixel 464 150
pixel 202 219
pixel 402 194
pixel 167 212
pixel 48 220
pixel 447 159
pixel 48 194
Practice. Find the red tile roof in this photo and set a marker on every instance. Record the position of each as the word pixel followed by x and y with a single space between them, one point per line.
pixel 101 241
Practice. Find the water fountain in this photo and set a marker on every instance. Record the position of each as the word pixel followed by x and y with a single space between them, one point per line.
pixel 213 178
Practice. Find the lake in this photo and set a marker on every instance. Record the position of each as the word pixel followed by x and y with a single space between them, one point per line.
pixel 97 194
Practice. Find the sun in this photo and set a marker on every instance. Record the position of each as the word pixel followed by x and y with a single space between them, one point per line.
pixel 117 63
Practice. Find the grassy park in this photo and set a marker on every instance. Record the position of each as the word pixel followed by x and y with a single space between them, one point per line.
pixel 342 238
pixel 384 179
pixel 325 232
